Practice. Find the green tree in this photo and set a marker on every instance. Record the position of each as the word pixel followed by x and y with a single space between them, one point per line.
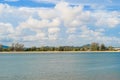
pixel 110 48
pixel 33 48
pixel 102 47
pixel 94 46
pixel 17 47
pixel 0 47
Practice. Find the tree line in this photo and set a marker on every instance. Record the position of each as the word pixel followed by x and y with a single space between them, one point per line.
pixel 90 47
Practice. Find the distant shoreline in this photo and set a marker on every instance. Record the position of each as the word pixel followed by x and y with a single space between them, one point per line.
pixel 56 52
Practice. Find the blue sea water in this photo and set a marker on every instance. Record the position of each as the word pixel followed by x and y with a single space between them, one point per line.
pixel 62 66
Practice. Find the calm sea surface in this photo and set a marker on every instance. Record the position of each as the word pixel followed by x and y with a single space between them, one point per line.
pixel 81 66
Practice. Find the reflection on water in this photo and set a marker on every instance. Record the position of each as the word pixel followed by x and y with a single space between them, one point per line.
pixel 83 66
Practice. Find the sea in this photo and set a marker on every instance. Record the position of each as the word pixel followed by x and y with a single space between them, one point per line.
pixel 60 66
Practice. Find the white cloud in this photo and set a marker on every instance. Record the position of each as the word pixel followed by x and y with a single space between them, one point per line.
pixel 67 13
pixel 50 13
pixel 86 32
pixel 107 19
pixel 71 30
pixel 6 28
pixel 53 37
pixel 55 22
pixel 37 37
pixel 2 7
pixel 53 30
pixel 42 28
pixel 61 22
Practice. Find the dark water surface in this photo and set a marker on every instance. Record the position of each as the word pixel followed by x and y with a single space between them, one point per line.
pixel 81 66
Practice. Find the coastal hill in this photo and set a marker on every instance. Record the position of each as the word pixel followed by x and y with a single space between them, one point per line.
pixel 5 47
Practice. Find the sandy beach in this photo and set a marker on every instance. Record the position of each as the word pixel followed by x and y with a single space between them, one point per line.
pixel 57 52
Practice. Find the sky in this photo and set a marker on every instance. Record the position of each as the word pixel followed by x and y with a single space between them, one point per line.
pixel 60 22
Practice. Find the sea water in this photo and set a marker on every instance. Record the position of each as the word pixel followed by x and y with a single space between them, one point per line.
pixel 60 66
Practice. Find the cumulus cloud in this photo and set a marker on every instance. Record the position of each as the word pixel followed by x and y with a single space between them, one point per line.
pixel 69 23
pixel 67 13
pixel 53 30
pixel 71 30
pixel 6 28
pixel 109 19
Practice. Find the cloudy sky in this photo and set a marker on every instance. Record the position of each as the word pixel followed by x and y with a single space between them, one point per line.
pixel 60 22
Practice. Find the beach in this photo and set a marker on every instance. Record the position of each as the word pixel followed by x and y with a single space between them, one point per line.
pixel 58 52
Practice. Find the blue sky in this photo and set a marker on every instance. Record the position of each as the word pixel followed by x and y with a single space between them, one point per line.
pixel 60 22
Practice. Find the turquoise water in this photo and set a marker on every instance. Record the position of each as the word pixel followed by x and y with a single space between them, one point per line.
pixel 83 66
